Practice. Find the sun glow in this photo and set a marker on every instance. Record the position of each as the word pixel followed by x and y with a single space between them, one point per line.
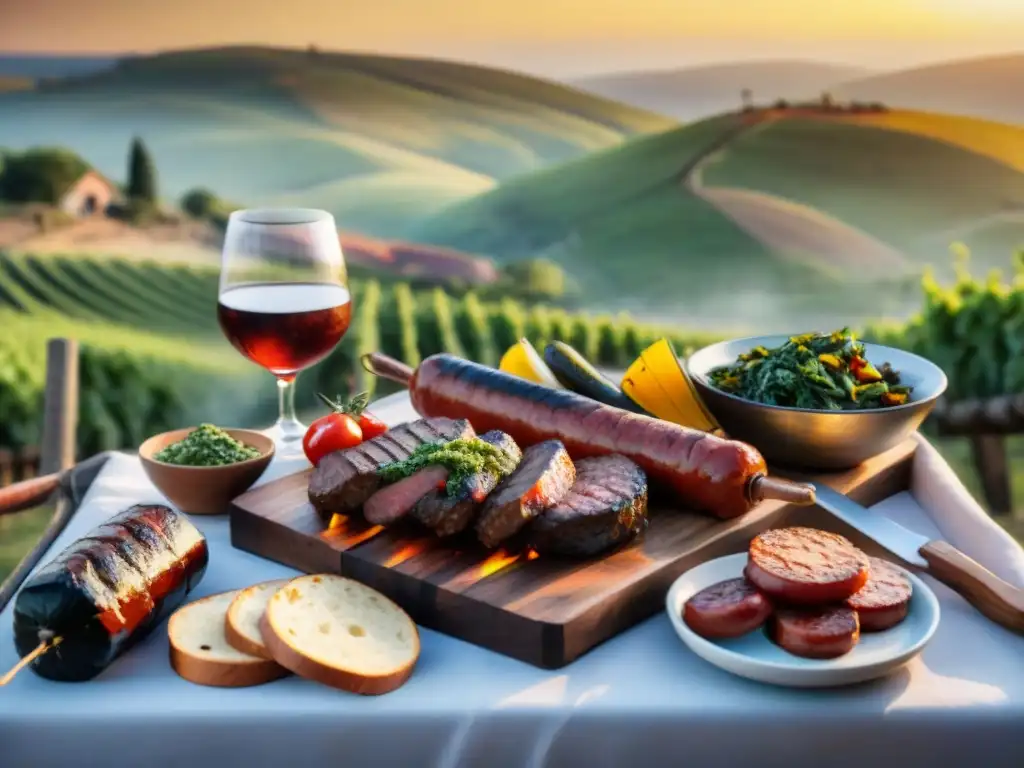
pixel 108 25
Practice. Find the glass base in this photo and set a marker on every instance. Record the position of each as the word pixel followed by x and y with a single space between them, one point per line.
pixel 287 436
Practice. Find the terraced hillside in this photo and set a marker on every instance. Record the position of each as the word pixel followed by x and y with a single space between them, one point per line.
pixel 168 299
pixel 150 357
pixel 379 141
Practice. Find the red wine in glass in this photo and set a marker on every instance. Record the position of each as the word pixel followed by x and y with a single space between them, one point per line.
pixel 285 327
pixel 283 301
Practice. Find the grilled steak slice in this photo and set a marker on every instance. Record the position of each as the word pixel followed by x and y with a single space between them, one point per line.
pixel 394 501
pixel 606 507
pixel 344 480
pixel 542 478
pixel 448 515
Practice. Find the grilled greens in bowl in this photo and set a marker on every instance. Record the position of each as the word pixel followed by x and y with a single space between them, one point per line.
pixel 800 410
pixel 818 371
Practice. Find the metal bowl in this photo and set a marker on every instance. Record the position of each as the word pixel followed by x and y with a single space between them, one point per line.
pixel 811 439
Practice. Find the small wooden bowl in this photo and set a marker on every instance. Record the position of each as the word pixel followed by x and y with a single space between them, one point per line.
pixel 205 490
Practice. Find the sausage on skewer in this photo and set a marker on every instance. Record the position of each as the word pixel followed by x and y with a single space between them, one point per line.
pixel 708 473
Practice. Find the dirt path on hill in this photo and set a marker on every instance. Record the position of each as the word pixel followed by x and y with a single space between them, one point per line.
pixel 794 231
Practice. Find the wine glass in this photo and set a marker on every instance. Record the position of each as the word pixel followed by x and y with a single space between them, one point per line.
pixel 284 301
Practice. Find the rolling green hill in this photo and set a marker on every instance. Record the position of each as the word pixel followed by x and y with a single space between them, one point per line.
pixel 614 219
pixel 345 132
pixel 774 203
pixel 805 235
pixel 902 184
pixel 625 225
pixel 1001 142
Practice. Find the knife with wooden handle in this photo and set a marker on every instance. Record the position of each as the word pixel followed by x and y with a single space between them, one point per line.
pixel 28 493
pixel 1001 602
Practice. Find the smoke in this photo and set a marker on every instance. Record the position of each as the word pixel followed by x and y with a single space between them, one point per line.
pixel 760 312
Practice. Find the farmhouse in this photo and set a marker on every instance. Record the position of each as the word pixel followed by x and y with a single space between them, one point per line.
pixel 91 193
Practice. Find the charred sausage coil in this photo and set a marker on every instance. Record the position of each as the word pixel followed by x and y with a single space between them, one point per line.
pixel 107 591
pixel 723 477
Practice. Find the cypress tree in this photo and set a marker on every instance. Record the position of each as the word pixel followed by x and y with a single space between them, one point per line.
pixel 141 174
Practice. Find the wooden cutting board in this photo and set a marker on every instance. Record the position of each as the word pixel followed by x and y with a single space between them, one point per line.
pixel 541 610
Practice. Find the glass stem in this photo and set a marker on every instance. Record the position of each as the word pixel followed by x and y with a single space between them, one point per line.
pixel 288 424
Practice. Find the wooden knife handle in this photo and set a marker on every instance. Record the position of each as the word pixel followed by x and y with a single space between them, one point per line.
pixel 27 493
pixel 386 367
pixel 999 601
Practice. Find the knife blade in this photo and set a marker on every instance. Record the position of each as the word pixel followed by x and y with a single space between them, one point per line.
pixel 903 543
pixel 1000 601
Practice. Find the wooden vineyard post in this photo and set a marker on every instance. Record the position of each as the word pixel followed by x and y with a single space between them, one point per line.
pixel 60 406
pixel 989 455
pixel 1001 415
pixel 6 467
pixel 986 425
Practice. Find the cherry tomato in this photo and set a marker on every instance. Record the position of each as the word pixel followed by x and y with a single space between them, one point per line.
pixel 333 432
pixel 347 425
pixel 372 426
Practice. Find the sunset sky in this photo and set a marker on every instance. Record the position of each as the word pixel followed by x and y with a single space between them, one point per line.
pixel 562 37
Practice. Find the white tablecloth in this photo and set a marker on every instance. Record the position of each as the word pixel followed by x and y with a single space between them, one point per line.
pixel 640 699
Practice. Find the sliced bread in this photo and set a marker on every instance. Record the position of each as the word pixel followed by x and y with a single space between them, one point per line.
pixel 340 633
pixel 242 623
pixel 200 652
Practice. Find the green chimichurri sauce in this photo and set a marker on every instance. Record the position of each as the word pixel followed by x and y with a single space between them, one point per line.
pixel 462 458
pixel 206 446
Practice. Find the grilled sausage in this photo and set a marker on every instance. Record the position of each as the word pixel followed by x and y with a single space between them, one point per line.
pixel 805 566
pixel 706 472
pixel 108 590
pixel 728 609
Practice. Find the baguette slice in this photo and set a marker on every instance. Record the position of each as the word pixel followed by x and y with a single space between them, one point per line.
pixel 200 652
pixel 341 633
pixel 242 623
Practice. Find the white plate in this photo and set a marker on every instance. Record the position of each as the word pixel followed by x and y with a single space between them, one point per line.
pixel 756 657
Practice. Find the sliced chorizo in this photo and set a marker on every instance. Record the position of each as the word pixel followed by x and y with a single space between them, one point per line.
pixel 805 566
pixel 816 633
pixel 728 609
pixel 884 600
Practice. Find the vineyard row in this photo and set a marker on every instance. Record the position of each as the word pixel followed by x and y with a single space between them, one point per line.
pixel 140 374
pixel 166 365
